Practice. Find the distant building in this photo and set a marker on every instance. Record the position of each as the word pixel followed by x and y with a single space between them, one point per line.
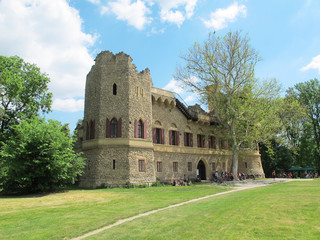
pixel 135 133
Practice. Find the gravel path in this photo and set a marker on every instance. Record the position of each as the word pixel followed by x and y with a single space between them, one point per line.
pixel 239 186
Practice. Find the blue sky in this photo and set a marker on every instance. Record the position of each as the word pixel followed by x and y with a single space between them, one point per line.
pixel 63 37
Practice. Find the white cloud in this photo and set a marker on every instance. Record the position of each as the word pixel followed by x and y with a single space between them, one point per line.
pixel 314 64
pixel 68 105
pixel 189 99
pixel 135 13
pixel 176 11
pixel 222 16
pixel 174 86
pixel 94 1
pixel 48 33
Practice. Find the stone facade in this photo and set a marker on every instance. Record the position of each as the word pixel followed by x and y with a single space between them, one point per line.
pixel 135 133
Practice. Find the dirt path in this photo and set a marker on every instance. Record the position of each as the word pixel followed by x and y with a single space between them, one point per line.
pixel 239 187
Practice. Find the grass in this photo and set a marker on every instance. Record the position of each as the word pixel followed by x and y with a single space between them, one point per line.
pixel 278 211
pixel 75 212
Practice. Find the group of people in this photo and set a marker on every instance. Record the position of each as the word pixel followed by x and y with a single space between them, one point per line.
pixel 225 176
pixel 306 174
pixel 185 182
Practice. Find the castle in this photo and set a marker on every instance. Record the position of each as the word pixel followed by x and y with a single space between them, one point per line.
pixel 135 133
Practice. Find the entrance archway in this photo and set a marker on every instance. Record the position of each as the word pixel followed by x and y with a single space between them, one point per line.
pixel 201 170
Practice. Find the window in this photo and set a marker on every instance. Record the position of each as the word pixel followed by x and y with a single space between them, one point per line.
pixel 201 141
pixel 223 144
pixel 114 164
pixel 188 139
pixel 224 166
pixel 114 89
pixel 141 166
pixel 245 165
pixel 175 166
pixel 174 137
pixel 189 166
pixel 114 128
pixel 90 130
pixel 159 166
pixel 87 132
pixel 140 129
pixel 212 142
pixel 158 135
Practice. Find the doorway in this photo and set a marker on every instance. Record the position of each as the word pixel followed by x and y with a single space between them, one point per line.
pixel 201 170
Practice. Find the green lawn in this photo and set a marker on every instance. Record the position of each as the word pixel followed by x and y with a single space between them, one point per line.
pixel 73 213
pixel 278 211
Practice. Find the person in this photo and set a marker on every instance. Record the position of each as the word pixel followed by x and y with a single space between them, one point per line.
pixel 274 175
pixel 231 176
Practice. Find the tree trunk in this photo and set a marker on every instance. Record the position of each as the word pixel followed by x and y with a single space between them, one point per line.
pixel 235 163
pixel 235 150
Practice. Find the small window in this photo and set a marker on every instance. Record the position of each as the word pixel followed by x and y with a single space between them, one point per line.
pixel 159 166
pixel 189 166
pixel 114 164
pixel 114 89
pixel 175 166
pixel 245 165
pixel 141 166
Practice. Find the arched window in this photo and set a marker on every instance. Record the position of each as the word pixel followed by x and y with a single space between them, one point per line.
pixel 114 128
pixel 114 89
pixel 92 129
pixel 140 129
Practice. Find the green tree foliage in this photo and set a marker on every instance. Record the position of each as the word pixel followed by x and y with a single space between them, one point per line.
pixel 23 92
pixel 276 157
pixel 308 94
pixel 221 70
pixel 39 157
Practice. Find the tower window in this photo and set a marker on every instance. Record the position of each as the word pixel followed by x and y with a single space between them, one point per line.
pixel 114 89
pixel 114 128
pixel 114 164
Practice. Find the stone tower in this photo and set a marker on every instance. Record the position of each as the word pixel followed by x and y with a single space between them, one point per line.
pixel 117 123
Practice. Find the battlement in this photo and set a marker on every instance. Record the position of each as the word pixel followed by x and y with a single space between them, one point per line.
pixel 121 58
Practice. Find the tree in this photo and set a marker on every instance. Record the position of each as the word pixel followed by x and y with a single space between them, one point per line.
pixel 38 157
pixel 221 71
pixel 308 94
pixel 276 157
pixel 23 92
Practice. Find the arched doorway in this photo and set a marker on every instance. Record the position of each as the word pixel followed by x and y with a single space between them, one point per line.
pixel 201 170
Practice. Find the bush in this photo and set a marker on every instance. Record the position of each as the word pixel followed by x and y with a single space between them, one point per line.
pixel 157 184
pixel 39 157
